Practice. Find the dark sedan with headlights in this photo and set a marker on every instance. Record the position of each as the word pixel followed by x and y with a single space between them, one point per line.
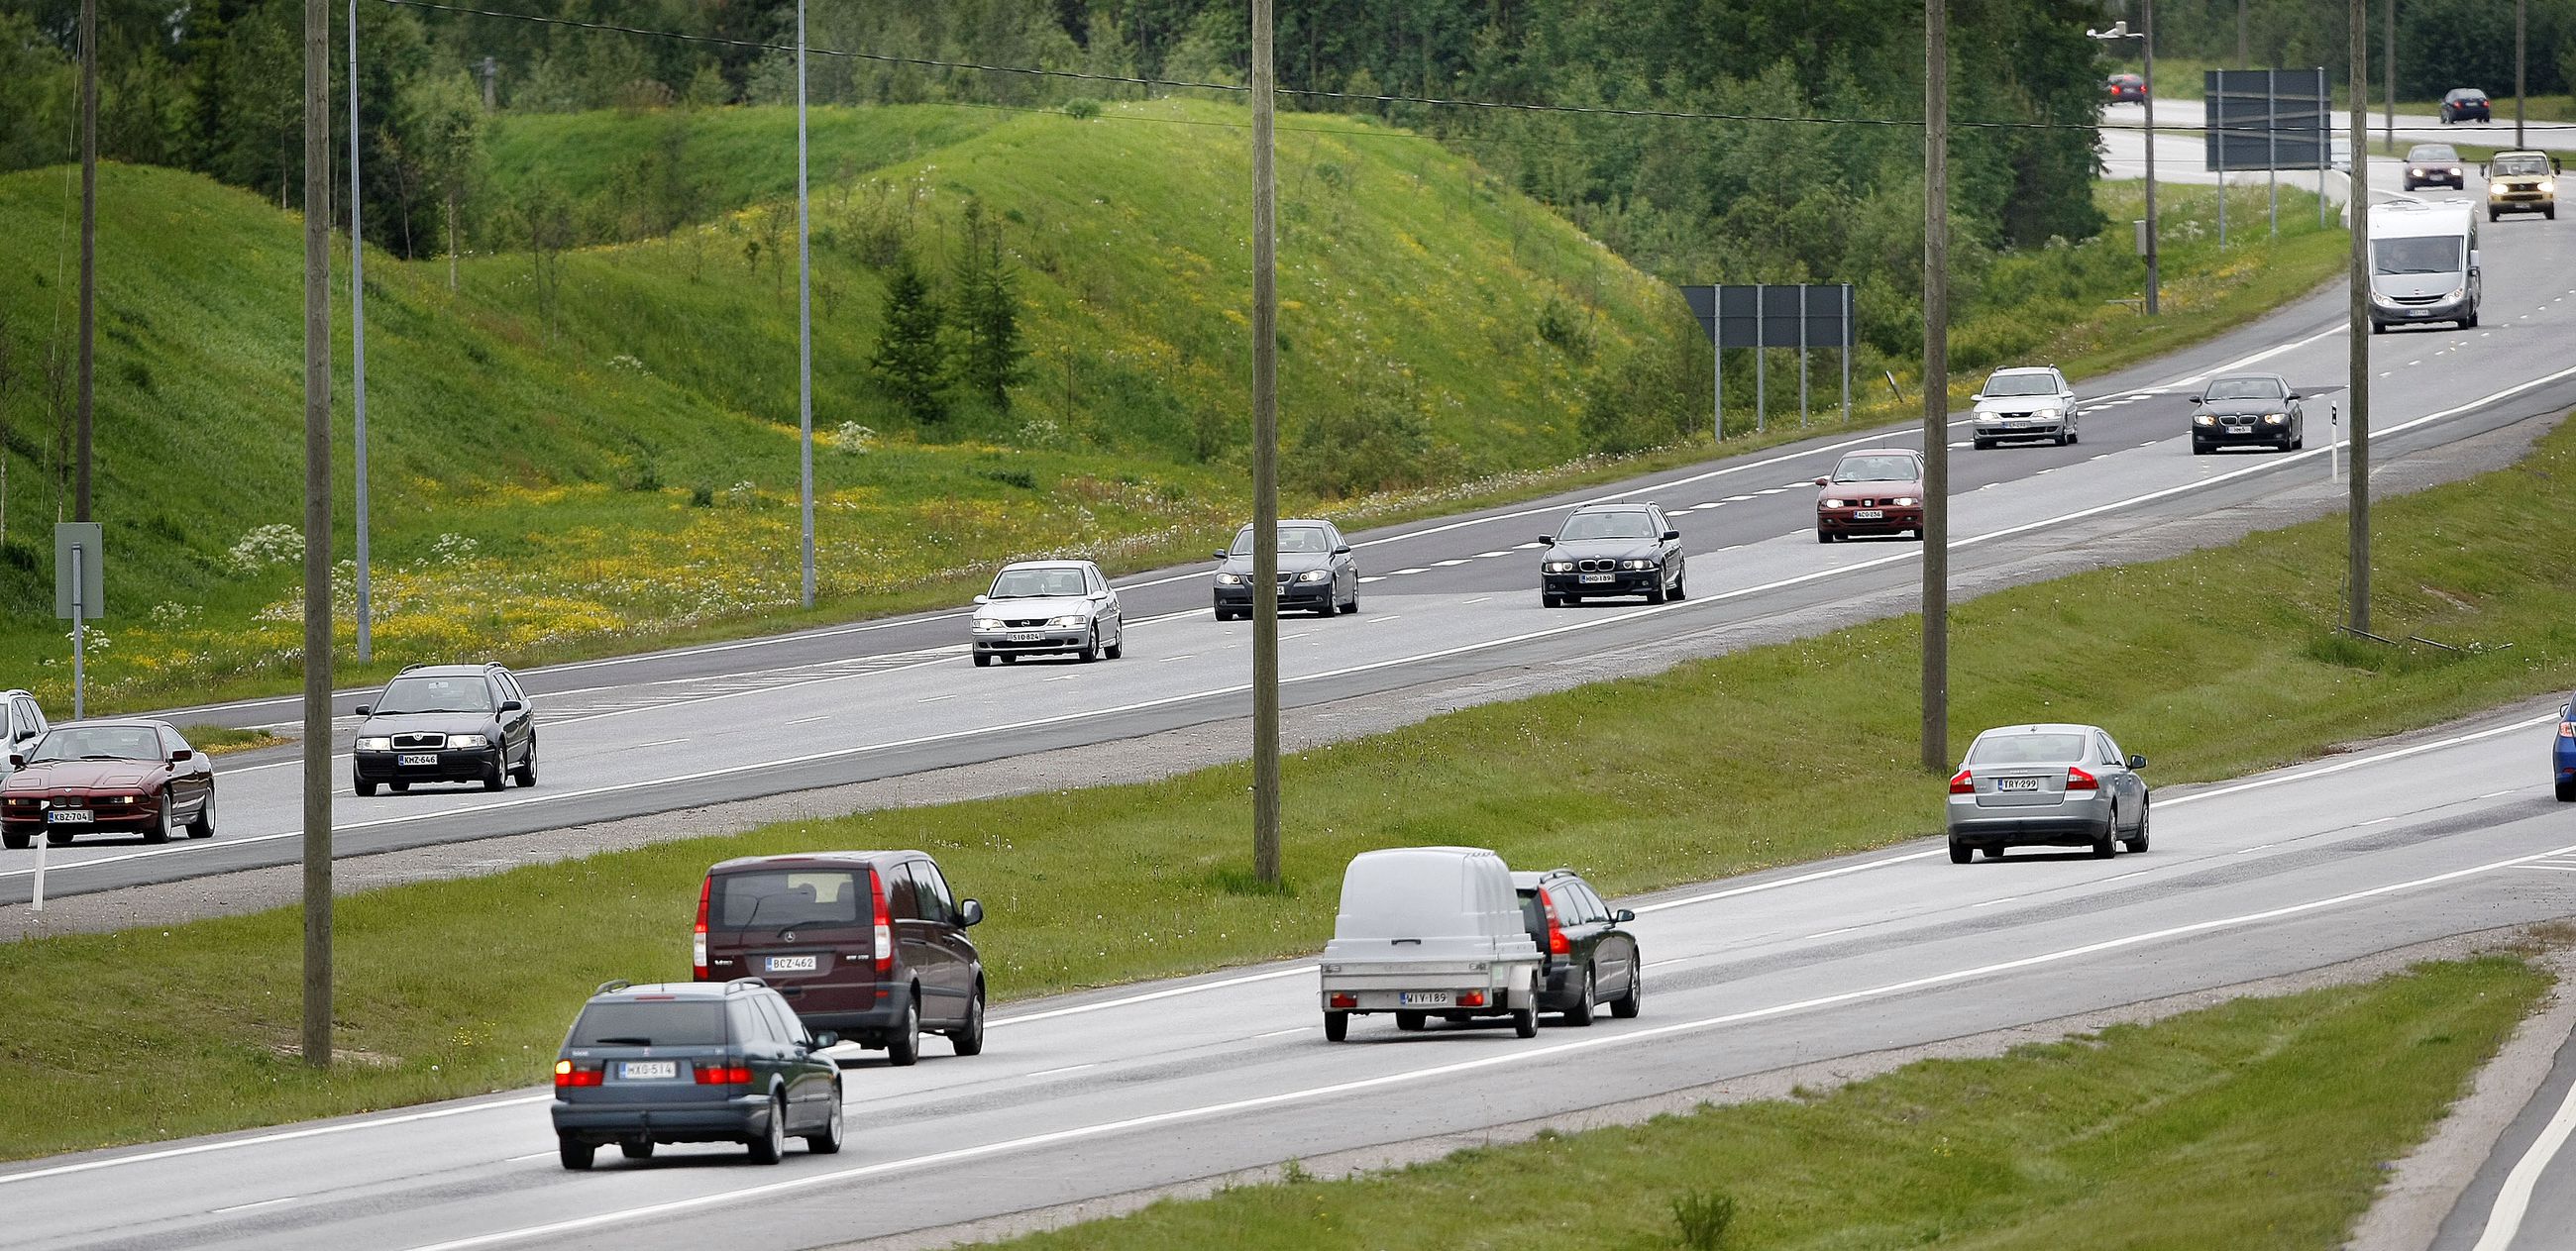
pixel 2248 410
pixel 447 723
pixel 1611 549
pixel 2435 165
pixel 1874 492
pixel 1316 571
pixel 108 777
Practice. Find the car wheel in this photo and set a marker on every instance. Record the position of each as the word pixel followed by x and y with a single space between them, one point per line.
pixel 983 660
pixel 496 774
pixel 2299 441
pixel 2138 841
pixel 834 1127
pixel 1525 1023
pixel 1982 445
pixel 1657 594
pixel 1117 649
pixel 2493 215
pixel 526 775
pixel 2074 435
pixel 1411 1021
pixel 366 789
pixel 1995 853
pixel 1337 1026
pixel 970 1040
pixel 2108 845
pixel 2377 328
pixel 1824 535
pixel 18 842
pixel 1090 647
pixel 1223 615
pixel 2061 439
pixel 2566 795
pixel 1009 658
pixel 1632 1000
pixel 1581 1012
pixel 636 1148
pixel 771 1146
pixel 1961 853
pixel 203 824
pixel 904 1049
pixel 575 1154
pixel 159 832
pixel 1546 600
pixel 2549 214
pixel 58 838
pixel 1352 608
pixel 1677 589
pixel 400 788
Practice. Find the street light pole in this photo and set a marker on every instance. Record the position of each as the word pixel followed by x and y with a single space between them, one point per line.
pixel 2147 34
pixel 2388 97
pixel 316 1034
pixel 1936 385
pixel 1265 461
pixel 804 333
pixel 358 349
pixel 2358 380
pixel 2517 71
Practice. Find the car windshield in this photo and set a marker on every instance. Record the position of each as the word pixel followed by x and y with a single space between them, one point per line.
pixel 2514 165
pixel 2246 389
pixel 1618 525
pixel 453 693
pixel 1876 469
pixel 2027 749
pixel 2427 254
pixel 1309 539
pixel 2429 153
pixel 651 1023
pixel 784 898
pixel 1039 584
pixel 99 742
pixel 2021 384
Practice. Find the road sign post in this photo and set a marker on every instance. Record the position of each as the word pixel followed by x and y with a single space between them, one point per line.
pixel 80 565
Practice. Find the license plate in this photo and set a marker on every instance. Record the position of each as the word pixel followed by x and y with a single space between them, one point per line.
pixel 1869 514
pixel 1596 578
pixel 70 816
pixel 1422 998
pixel 2419 312
pixel 1026 638
pixel 2016 425
pixel 791 964
pixel 649 1070
pixel 417 758
pixel 2016 784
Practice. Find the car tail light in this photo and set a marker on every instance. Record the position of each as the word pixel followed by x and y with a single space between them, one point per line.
pixel 1345 1001
pixel 1962 784
pixel 885 927
pixel 2567 729
pixel 2079 780
pixel 698 944
pixel 723 1075
pixel 569 1074
pixel 1556 944
pixel 1471 999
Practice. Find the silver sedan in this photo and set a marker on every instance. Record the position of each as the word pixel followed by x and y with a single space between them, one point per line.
pixel 2047 786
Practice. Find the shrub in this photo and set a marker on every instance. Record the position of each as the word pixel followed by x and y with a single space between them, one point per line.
pixel 1703 1217
pixel 1082 108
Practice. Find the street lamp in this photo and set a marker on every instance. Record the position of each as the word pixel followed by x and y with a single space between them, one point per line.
pixel 2147 40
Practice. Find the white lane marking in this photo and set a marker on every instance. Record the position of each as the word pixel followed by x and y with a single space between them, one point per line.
pixel 1992 902
pixel 1830 933
pixel 1478 600
pixel 264 1203
pixel 808 720
pixel 1447 564
pixel 1415 569
pixel 1183 656
pixel 2247 851
pixel 2562 868
pixel 1070 1068
pixel 533 1155
pixel 260 1140
pixel 1063 677
pixel 1390 616
pixel 666 742
pixel 1735 499
pixel 2504 1220
pixel 1523 547
pixel 2356 762
pixel 1374 577
pixel 926 700
pixel 1169 992
pixel 1770 490
pixel 1490 555
pixel 1310 1094
pixel 1800 879
pixel 2118 877
pixel 1283 1033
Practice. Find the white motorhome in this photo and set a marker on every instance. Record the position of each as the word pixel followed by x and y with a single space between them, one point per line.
pixel 2423 263
pixel 1427 930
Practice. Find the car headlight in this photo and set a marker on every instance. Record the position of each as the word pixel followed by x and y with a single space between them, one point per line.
pixel 2458 291
pixel 2497 188
pixel 1636 564
pixel 468 740
pixel 1558 566
pixel 1230 579
pixel 2276 419
pixel 1905 501
pixel 988 623
pixel 125 799
pixel 1316 575
pixel 2203 419
pixel 2455 171
pixel 2045 412
pixel 2414 173
pixel 1831 503
pixel 376 742
pixel 2547 186
pixel 1070 621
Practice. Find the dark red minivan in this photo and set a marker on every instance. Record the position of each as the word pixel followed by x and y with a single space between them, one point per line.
pixel 868 944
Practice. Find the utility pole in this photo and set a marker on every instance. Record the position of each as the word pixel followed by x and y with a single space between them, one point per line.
pixel 358 348
pixel 317 534
pixel 2388 101
pixel 1265 463
pixel 2147 37
pixel 2358 559
pixel 491 69
pixel 804 327
pixel 88 253
pixel 2517 71
pixel 1936 384
pixel 2244 59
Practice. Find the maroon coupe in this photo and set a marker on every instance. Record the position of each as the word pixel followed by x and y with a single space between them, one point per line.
pixel 99 777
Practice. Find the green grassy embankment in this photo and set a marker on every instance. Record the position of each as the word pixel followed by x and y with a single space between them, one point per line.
pixel 2212 664
pixel 2263 1123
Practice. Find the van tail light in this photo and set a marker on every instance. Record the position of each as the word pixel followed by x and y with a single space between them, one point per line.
pixel 1556 944
pixel 698 944
pixel 722 1075
pixel 885 927
pixel 1471 999
pixel 1962 783
pixel 2079 780
pixel 568 1074
pixel 1345 1001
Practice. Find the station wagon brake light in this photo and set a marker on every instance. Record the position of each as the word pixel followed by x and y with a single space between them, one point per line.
pixel 1962 784
pixel 723 1075
pixel 1556 944
pixel 884 926
pixel 2079 780
pixel 698 944
pixel 569 1074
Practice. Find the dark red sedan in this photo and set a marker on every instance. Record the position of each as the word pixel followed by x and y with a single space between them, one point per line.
pixel 100 777
pixel 1879 491
pixel 2127 89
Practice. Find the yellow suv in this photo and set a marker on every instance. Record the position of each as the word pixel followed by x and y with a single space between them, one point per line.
pixel 2522 182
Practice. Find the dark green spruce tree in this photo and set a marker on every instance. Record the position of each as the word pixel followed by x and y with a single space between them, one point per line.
pixel 908 358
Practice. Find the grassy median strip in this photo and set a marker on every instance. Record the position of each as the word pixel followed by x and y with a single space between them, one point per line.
pixel 2260 1123
pixel 2213 664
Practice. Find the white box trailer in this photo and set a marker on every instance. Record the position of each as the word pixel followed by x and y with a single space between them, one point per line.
pixel 1426 930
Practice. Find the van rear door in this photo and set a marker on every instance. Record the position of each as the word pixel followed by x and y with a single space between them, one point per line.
pixel 808 931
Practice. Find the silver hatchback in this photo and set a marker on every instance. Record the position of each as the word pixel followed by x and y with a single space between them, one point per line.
pixel 2047 786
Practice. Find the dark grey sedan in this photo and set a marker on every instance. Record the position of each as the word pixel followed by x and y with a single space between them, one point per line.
pixel 1611 549
pixel 2248 410
pixel 2050 785
pixel 1316 571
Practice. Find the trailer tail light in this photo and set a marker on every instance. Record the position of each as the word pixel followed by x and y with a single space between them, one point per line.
pixel 1556 944
pixel 1345 1001
pixel 1963 783
pixel 884 926
pixel 1471 999
pixel 567 1074
pixel 698 941
pixel 2079 780
pixel 723 1075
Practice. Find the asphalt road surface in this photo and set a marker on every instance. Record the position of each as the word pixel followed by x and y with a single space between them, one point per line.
pixel 1440 600
pixel 1106 1093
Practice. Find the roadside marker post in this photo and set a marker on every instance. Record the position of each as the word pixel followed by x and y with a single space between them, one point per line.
pixel 80 567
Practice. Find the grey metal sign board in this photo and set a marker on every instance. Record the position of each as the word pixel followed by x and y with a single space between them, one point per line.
pixel 2267 119
pixel 1768 314
pixel 92 565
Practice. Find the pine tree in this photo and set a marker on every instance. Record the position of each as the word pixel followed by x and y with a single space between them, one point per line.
pixel 907 358
pixel 987 315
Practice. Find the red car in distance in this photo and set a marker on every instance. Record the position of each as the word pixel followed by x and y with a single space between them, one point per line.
pixel 1879 491
pixel 100 777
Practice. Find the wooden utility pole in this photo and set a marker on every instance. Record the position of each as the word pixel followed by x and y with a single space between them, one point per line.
pixel 2155 268
pixel 88 255
pixel 317 533
pixel 2518 29
pixel 1936 385
pixel 1265 465
pixel 2358 381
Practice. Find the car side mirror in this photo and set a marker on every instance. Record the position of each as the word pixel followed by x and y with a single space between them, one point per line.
pixel 2473 260
pixel 2137 762
pixel 1343 550
pixel 1824 482
pixel 2196 399
pixel 1220 555
pixel 1976 397
pixel 826 1039
pixel 513 705
pixel 1672 536
pixel 2296 396
pixel 17 761
pixel 363 710
pixel 1623 916
pixel 969 912
pixel 982 599
pixel 1547 540
pixel 182 756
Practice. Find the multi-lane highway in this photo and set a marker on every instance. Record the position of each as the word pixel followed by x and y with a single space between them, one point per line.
pixel 1441 599
pixel 1106 1093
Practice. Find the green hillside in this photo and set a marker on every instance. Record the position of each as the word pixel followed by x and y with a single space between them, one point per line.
pixel 584 446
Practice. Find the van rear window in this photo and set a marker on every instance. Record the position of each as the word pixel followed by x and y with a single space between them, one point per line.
pixel 695 1023
pixel 780 898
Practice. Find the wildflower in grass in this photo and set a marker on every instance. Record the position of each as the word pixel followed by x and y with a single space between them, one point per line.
pixel 273 544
